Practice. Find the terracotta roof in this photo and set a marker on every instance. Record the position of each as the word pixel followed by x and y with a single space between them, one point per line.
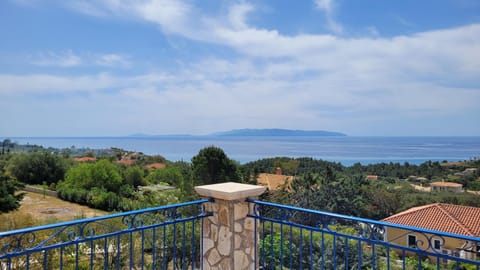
pixel 85 159
pixel 127 162
pixel 451 218
pixel 155 166
pixel 445 184
pixel 273 181
pixel 372 177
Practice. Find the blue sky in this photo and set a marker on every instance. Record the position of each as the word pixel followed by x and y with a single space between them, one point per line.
pixel 119 67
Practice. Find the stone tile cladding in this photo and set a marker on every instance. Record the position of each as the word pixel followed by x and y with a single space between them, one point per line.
pixel 228 236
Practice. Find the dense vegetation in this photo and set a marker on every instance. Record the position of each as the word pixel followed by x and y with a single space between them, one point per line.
pixel 105 182
pixel 328 186
pixel 111 185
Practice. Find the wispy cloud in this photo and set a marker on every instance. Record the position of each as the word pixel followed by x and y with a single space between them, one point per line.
pixel 46 84
pixel 171 15
pixel 328 6
pixel 113 60
pixel 70 59
pixel 233 30
pixel 401 20
pixel 59 59
pixel 237 15
pixel 274 80
pixel 361 78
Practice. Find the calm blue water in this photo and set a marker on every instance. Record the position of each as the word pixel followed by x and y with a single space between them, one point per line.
pixel 346 150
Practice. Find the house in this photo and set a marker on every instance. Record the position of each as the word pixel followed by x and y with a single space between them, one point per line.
pixel 274 181
pixel 446 186
pixel 126 162
pixel 468 171
pixel 372 177
pixel 448 218
pixel 85 159
pixel 154 166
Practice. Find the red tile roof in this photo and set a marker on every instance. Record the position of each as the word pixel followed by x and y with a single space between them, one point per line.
pixel 127 162
pixel 446 184
pixel 443 217
pixel 85 159
pixel 155 166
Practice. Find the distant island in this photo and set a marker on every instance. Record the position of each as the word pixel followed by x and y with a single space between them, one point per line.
pixel 277 132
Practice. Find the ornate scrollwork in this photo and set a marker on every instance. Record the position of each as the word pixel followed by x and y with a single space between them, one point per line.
pixel 371 231
pixel 89 236
pixel 89 230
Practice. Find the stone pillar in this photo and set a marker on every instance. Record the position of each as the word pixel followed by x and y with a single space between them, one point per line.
pixel 229 235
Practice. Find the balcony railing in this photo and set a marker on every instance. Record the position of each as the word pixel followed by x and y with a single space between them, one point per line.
pixel 297 238
pixel 230 231
pixel 156 238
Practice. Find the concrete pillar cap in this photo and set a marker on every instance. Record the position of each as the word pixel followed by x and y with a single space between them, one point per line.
pixel 230 191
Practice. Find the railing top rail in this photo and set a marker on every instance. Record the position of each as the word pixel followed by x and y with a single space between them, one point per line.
pixel 366 221
pixel 93 219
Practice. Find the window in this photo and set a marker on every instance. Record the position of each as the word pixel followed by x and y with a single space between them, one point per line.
pixel 437 244
pixel 412 241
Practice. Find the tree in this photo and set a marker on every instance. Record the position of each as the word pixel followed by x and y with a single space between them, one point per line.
pixel 8 199
pixel 35 168
pixel 99 185
pixel 332 192
pixel 169 175
pixel 212 165
pixel 6 144
pixel 134 176
pixel 102 174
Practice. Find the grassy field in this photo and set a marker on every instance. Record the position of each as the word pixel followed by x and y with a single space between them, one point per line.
pixel 36 210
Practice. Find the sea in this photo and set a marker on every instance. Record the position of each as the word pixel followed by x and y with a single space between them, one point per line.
pixel 346 150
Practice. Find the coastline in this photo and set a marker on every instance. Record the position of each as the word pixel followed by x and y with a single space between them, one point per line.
pixel 344 149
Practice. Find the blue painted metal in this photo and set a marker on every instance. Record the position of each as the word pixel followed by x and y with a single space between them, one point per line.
pixel 127 240
pixel 322 240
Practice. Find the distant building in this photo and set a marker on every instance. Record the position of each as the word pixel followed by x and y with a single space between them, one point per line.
pixel 85 159
pixel 471 170
pixel 154 166
pixel 274 181
pixel 449 218
pixel 126 162
pixel 446 186
pixel 468 171
pixel 372 177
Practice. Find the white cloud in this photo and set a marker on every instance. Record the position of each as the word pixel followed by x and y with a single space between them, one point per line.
pixel 328 6
pixel 277 80
pixel 171 15
pixel 60 59
pixel 69 59
pixel 19 85
pixel 237 15
pixel 112 60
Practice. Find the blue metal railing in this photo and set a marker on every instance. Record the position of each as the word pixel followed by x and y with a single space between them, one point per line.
pixel 169 237
pixel 297 238
pixel 166 237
